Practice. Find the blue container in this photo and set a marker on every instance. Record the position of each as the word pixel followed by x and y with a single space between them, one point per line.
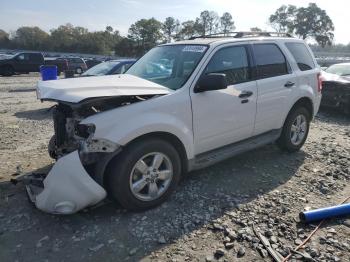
pixel 48 72
pixel 323 213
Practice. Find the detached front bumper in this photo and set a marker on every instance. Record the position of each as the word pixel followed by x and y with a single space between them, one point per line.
pixel 68 188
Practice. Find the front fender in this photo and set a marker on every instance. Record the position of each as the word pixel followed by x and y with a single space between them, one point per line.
pixel 145 124
pixel 123 125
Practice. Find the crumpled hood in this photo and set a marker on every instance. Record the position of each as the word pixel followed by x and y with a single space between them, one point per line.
pixel 74 90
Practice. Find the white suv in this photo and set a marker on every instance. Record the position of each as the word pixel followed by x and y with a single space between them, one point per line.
pixel 181 107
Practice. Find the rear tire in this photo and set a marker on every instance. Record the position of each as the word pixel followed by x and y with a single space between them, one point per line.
pixel 137 181
pixel 295 130
pixel 79 70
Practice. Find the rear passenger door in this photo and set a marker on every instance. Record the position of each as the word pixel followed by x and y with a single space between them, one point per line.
pixel 35 61
pixel 275 81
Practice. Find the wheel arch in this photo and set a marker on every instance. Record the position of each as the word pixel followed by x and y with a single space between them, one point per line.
pixel 168 137
pixel 305 102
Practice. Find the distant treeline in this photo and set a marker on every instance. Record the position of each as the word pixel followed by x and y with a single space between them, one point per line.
pixel 142 35
pixel 305 22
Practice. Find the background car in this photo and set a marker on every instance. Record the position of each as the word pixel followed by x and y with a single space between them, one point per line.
pixel 336 87
pixel 75 64
pixel 111 67
pixel 342 69
pixel 92 62
pixel 27 62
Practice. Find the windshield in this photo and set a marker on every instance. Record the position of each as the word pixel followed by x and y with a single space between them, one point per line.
pixel 169 65
pixel 101 69
pixel 340 70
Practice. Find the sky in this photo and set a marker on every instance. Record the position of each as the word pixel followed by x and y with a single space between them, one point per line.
pixel 120 14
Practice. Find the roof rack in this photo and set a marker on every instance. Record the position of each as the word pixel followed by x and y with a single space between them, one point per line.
pixel 243 34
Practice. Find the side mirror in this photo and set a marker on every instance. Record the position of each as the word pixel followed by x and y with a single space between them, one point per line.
pixel 213 81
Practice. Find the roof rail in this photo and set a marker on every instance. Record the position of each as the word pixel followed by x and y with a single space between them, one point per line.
pixel 243 34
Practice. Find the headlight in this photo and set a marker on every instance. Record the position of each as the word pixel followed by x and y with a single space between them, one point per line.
pixel 85 131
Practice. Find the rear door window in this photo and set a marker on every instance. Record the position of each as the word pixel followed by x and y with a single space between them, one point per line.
pixel 233 62
pixel 301 55
pixel 35 57
pixel 270 61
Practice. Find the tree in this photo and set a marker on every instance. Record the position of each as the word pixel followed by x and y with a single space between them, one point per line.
pixel 146 33
pixel 207 23
pixel 169 27
pixel 4 39
pixel 305 22
pixel 314 22
pixel 283 19
pixel 187 29
pixel 32 38
pixel 226 22
pixel 109 29
pixel 255 29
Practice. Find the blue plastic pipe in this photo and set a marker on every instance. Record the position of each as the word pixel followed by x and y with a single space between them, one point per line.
pixel 323 213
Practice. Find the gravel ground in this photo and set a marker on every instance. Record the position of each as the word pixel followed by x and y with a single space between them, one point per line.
pixel 209 218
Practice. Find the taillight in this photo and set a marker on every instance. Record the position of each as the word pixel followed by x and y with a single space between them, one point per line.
pixel 319 82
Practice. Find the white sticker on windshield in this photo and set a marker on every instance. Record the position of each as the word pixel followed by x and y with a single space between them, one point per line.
pixel 194 48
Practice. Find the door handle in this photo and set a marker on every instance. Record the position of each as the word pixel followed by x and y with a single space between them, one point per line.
pixel 289 84
pixel 245 94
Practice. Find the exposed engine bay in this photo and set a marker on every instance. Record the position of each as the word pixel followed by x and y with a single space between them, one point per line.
pixel 69 135
pixel 76 180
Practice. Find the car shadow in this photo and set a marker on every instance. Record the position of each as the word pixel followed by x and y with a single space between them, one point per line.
pixel 114 233
pixel 333 116
pixel 36 114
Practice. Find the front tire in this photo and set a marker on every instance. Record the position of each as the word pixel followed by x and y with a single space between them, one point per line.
pixel 7 70
pixel 295 130
pixel 144 175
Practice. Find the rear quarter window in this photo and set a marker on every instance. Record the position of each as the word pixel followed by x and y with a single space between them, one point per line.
pixel 270 61
pixel 301 55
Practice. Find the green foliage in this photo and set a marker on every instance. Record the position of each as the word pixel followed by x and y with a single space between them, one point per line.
pixel 32 37
pixel 284 18
pixel 170 28
pixel 4 38
pixel 188 29
pixel 146 33
pixel 305 22
pixel 227 23
pixel 207 23
pixel 142 35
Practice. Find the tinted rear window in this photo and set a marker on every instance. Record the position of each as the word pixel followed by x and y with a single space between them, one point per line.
pixel 301 55
pixel 270 61
pixel 35 57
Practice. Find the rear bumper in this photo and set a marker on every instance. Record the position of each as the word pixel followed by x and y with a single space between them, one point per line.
pixel 67 188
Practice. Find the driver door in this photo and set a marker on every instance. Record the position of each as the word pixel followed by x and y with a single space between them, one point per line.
pixel 222 117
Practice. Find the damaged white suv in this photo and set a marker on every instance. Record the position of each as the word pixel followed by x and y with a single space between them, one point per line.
pixel 181 107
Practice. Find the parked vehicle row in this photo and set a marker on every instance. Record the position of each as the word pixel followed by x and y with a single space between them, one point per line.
pixel 28 62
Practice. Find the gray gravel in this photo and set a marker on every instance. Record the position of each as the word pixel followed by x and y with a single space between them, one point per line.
pixel 209 218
